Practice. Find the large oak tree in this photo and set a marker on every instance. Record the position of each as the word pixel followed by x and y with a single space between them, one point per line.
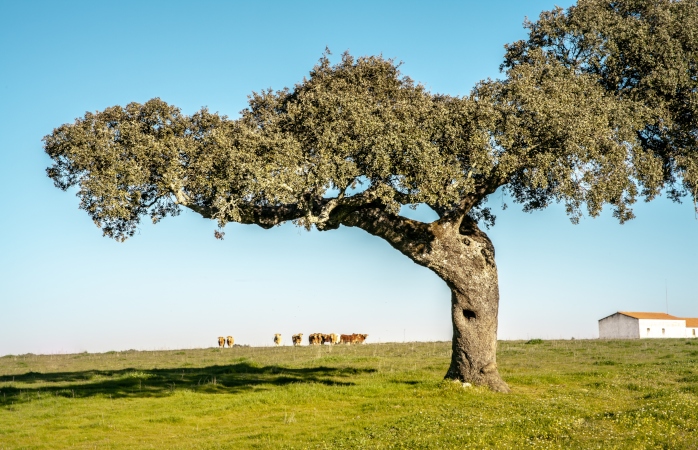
pixel 597 107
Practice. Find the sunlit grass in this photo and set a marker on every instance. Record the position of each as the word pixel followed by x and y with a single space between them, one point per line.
pixel 565 394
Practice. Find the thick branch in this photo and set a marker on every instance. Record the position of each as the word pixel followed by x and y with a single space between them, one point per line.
pixel 324 220
pixel 412 238
pixel 264 216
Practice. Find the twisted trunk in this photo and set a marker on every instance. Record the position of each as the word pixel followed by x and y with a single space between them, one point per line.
pixel 464 259
pixel 463 256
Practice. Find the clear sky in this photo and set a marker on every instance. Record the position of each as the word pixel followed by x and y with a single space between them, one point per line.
pixel 64 288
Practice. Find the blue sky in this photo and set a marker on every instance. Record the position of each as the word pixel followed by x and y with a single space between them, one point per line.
pixel 64 288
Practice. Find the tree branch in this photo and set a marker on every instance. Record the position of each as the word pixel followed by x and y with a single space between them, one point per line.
pixel 410 237
pixel 264 216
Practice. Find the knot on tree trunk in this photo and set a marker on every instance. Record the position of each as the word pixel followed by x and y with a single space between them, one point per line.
pixel 469 314
pixel 489 368
pixel 488 255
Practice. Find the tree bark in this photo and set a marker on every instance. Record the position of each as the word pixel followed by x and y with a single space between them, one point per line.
pixel 464 259
pixel 463 256
pixel 474 346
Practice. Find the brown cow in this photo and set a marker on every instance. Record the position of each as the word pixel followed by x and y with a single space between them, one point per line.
pixel 353 338
pixel 230 341
pixel 326 338
pixel 221 341
pixel 359 338
pixel 296 338
pixel 315 339
pixel 277 339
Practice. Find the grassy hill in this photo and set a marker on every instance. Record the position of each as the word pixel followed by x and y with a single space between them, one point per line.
pixel 565 394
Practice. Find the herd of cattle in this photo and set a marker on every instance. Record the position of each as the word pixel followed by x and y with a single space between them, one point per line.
pixel 321 338
pixel 313 339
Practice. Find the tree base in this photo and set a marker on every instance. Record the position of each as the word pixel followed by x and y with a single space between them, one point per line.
pixel 492 381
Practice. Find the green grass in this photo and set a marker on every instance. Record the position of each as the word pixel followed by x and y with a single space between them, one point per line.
pixel 565 394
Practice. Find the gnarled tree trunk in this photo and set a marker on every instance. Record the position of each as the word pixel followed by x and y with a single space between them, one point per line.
pixel 463 256
pixel 474 357
pixel 464 259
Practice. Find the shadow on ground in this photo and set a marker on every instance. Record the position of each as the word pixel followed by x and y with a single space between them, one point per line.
pixel 134 383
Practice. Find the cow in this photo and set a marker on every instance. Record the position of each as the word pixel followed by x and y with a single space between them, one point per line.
pixel 325 338
pixel 359 338
pixel 335 338
pixel 277 339
pixel 230 341
pixel 353 338
pixel 296 338
pixel 221 342
pixel 315 339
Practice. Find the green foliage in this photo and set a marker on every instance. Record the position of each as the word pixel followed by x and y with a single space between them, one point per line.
pixel 370 396
pixel 122 159
pixel 597 107
pixel 644 56
pixel 355 123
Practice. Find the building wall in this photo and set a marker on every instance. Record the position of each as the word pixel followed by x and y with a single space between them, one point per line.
pixel 691 332
pixel 656 328
pixel 618 326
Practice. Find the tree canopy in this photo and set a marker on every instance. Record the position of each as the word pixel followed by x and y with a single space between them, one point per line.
pixel 597 107
pixel 644 56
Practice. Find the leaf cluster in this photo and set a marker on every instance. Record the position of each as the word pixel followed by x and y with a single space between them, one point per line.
pixel 354 132
pixel 597 107
pixel 122 160
pixel 644 57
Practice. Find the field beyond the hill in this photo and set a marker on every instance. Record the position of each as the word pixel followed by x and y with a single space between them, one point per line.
pixel 565 394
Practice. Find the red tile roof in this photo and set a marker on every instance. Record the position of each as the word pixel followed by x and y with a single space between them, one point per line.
pixel 650 315
pixel 691 322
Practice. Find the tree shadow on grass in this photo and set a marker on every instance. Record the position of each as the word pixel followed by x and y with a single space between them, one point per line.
pixel 143 383
pixel 407 382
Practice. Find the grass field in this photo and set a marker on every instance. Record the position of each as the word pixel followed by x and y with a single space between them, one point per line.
pixel 565 394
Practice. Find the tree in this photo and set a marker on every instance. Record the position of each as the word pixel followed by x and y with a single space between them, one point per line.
pixel 597 107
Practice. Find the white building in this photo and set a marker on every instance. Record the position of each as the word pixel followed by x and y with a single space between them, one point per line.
pixel 635 325
pixel 692 327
